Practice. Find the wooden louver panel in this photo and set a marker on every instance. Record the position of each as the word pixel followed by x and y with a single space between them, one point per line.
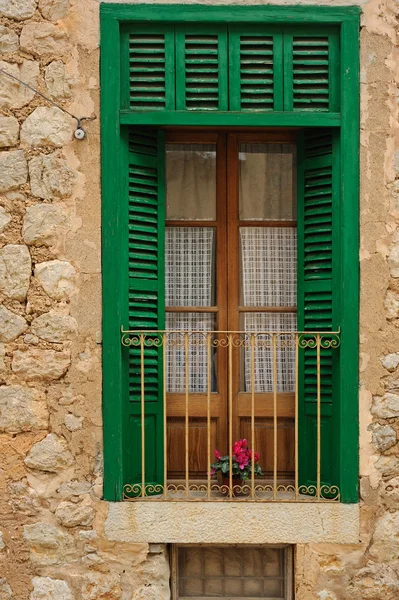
pixel 318 208
pixel 145 305
pixel 318 261
pixel 317 253
pixel 143 206
pixel 145 213
pixel 147 68
pixel 201 69
pixel 310 73
pixel 201 55
pixel 256 72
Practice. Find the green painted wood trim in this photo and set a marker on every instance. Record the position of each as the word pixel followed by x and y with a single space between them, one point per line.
pixel 111 171
pixel 242 14
pixel 349 380
pixel 332 33
pixel 181 88
pixel 230 119
pixel 235 32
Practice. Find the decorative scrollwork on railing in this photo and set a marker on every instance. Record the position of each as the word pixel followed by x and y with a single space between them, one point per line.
pixel 236 339
pixel 200 492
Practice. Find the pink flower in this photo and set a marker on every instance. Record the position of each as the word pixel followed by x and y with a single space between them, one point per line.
pixel 213 471
pixel 217 454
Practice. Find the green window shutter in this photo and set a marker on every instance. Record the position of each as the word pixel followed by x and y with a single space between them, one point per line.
pixel 201 68
pixel 318 300
pixel 255 69
pixel 148 53
pixel 145 302
pixel 311 70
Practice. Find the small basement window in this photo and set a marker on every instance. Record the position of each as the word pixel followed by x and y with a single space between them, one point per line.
pixel 232 572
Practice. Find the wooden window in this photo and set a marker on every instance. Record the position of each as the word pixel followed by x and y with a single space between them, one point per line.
pixel 232 572
pixel 151 79
pixel 230 266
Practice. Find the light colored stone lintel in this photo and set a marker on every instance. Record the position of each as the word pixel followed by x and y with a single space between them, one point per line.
pixel 232 522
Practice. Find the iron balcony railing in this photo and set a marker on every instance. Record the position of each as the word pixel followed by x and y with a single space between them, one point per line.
pixel 265 377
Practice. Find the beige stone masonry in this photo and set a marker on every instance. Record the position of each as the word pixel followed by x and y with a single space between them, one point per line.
pixel 60 540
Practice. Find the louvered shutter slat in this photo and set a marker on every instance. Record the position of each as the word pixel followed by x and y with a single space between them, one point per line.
pixel 201 69
pixel 255 55
pixel 311 65
pixel 151 67
pixel 317 259
pixel 145 302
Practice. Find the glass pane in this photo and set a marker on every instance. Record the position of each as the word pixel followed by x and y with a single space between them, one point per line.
pixel 190 266
pixel 197 352
pixel 268 266
pixel 267 175
pixel 191 182
pixel 235 572
pixel 263 353
pixel 272 563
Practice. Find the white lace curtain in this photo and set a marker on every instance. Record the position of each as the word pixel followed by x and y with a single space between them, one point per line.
pixel 269 279
pixel 189 276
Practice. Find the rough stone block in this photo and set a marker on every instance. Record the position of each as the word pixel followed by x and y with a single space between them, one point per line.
pixel 74 488
pixel 12 93
pixel 9 41
pixel 99 585
pixel 11 325
pixel 388 466
pixel 57 278
pixel 5 219
pixel 50 177
pixel 45 588
pixel 390 361
pixel 385 546
pixel 386 407
pixel 19 10
pixel 70 514
pixel 5 590
pixel 57 80
pixel 49 545
pixel 53 327
pixel 22 409
pixel 50 454
pixel 43 224
pixel 9 131
pixel 384 436
pixel 47 126
pixel 73 423
pixel 44 38
pixel 392 305
pixel 13 170
pixel 15 271
pixel 374 582
pixel 35 364
pixel 53 10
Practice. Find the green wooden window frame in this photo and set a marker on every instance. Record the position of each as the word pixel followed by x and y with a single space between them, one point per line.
pixel 118 118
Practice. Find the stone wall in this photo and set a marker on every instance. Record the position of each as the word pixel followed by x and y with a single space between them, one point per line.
pixel 52 542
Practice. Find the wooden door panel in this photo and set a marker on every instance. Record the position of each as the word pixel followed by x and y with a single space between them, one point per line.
pixel 197 446
pixel 264 444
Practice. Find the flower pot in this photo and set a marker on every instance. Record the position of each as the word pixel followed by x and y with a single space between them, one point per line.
pixel 237 483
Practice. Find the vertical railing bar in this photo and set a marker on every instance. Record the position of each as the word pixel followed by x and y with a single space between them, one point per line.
pixel 165 420
pixel 296 416
pixel 142 416
pixel 230 343
pixel 274 416
pixel 318 414
pixel 253 415
pixel 208 412
pixel 186 411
